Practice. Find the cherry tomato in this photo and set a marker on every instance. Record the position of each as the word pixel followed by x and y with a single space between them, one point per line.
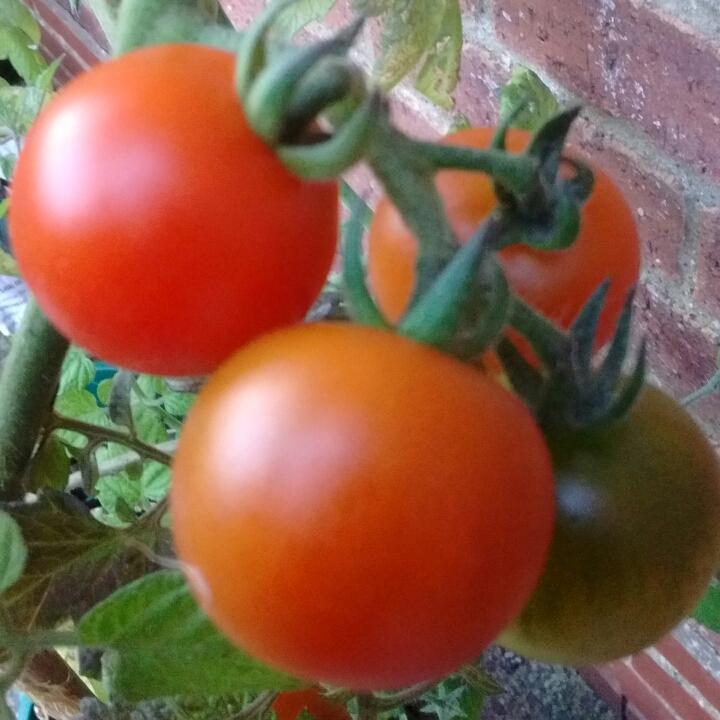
pixel 154 228
pixel 555 282
pixel 359 509
pixel 637 538
pixel 289 705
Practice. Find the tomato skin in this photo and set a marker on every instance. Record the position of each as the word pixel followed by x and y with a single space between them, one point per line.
pixel 360 509
pixel 154 228
pixel 555 282
pixel 637 538
pixel 289 705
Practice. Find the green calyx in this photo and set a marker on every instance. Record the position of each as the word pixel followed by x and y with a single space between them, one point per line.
pixel 570 393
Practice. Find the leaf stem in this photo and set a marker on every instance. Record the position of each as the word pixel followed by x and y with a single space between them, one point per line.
pixel 711 386
pixel 105 434
pixel 28 384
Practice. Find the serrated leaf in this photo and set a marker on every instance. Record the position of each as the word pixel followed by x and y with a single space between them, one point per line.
pixel 44 80
pixel 8 266
pixel 73 561
pixel 438 75
pixel 78 371
pixel 708 611
pixel 167 646
pixel 526 87
pixel 21 50
pixel 50 467
pixel 409 29
pixel 76 403
pixel 148 425
pixel 112 488
pixel 19 107
pixel 148 386
pixel 103 390
pixel 15 13
pixel 179 404
pixel 154 481
pixel 13 552
pixel 300 14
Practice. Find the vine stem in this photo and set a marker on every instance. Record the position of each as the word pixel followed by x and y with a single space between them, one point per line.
pixel 257 708
pixel 711 386
pixel 27 388
pixel 105 434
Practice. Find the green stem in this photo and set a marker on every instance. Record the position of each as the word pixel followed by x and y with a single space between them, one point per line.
pixel 517 173
pixel 711 386
pixel 53 639
pixel 27 388
pixel 104 434
pixel 409 181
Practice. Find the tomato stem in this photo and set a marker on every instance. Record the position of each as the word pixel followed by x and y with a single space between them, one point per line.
pixel 28 384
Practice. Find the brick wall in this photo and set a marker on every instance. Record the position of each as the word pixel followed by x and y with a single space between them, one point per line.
pixel 648 72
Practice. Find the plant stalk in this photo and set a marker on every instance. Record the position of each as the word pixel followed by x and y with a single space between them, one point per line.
pixel 28 384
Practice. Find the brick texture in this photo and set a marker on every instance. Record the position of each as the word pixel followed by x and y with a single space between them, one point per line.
pixel 631 60
pixel 707 288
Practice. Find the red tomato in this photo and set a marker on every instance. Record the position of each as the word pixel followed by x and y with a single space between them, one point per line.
pixel 359 509
pixel 289 705
pixel 154 228
pixel 555 282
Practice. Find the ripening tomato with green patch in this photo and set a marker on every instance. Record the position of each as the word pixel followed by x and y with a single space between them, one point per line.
pixel 289 705
pixel 637 537
pixel 557 283
pixel 155 229
pixel 356 508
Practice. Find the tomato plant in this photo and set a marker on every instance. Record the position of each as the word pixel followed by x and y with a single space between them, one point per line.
pixel 358 508
pixel 289 705
pixel 555 282
pixel 154 228
pixel 637 537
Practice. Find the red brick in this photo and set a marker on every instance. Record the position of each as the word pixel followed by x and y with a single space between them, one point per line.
pixel 680 354
pixel 690 669
pixel 707 287
pixel 669 689
pixel 87 20
pixel 481 74
pixel 630 60
pixel 655 198
pixel 52 47
pixel 640 694
pixel 602 680
pixel 76 41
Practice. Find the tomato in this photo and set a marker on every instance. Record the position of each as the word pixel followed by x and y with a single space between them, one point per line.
pixel 637 538
pixel 154 228
pixel 289 705
pixel 356 508
pixel 555 282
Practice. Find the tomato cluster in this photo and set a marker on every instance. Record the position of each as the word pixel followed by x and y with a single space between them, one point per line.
pixel 350 505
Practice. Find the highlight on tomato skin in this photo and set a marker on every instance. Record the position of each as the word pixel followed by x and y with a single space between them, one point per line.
pixel 153 227
pixel 363 510
pixel 557 283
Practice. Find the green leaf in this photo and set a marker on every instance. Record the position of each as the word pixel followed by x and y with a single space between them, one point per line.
pixel 13 553
pixel 16 14
pixel 372 8
pixel 409 29
pixel 73 561
pixel 112 488
pixel 44 80
pixel 300 14
pixel 148 425
pixel 80 404
pixel 8 266
pixel 178 403
pixel 708 611
pixel 154 481
pixel 19 107
pixel 50 467
pixel 148 385
pixel 103 390
pixel 526 87
pixel 7 165
pixel 21 50
pixel 78 371
pixel 439 74
pixel 3 208
pixel 166 646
